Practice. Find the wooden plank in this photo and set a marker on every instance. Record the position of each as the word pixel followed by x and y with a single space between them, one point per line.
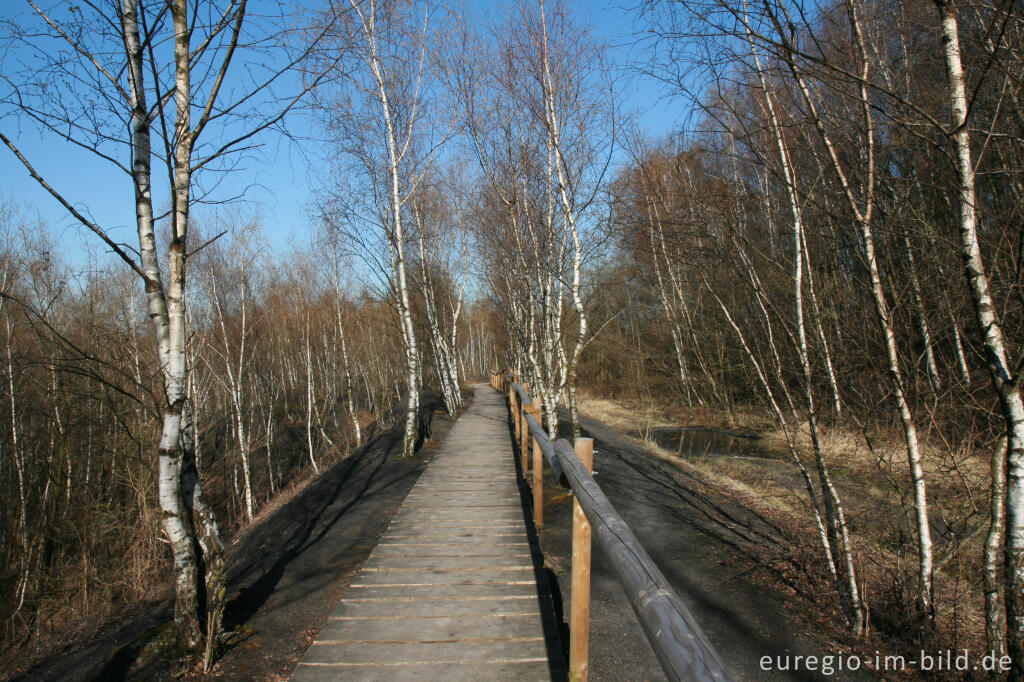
pixel 492 671
pixel 448 549
pixel 465 651
pixel 450 591
pixel 398 606
pixel 512 585
pixel 468 558
pixel 420 576
pixel 436 628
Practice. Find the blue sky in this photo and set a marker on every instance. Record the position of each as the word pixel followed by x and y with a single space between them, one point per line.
pixel 275 180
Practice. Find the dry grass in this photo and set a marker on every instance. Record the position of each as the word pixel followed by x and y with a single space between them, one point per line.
pixel 874 482
pixel 652 414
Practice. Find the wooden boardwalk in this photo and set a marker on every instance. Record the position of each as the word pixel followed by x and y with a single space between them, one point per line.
pixel 451 590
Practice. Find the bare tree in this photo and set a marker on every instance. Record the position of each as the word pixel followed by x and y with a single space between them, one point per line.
pixel 120 81
pixel 1002 370
pixel 387 126
pixel 540 115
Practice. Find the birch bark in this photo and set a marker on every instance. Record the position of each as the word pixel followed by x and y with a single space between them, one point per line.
pixel 396 198
pixel 1004 377
pixel 863 213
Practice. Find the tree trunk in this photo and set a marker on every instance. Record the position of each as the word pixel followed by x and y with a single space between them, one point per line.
pixel 208 536
pixel 1003 376
pixel 922 321
pixel 863 214
pixel 397 235
pixel 186 603
pixel 310 397
pixel 995 621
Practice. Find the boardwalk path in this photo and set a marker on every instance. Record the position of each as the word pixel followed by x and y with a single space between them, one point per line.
pixel 451 591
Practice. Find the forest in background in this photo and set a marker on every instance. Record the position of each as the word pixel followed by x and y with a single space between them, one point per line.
pixel 290 369
pixel 828 250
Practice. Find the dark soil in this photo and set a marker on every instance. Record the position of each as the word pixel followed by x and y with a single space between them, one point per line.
pixel 287 572
pixel 712 550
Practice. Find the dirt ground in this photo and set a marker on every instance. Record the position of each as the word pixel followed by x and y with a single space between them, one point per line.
pixel 705 545
pixel 290 569
pixel 287 572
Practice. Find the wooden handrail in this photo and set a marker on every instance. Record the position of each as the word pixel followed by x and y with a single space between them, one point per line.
pixel 680 645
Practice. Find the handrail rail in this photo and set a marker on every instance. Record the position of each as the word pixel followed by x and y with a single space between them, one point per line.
pixel 549 449
pixel 680 645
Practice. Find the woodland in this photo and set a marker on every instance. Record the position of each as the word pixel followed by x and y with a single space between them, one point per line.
pixel 826 251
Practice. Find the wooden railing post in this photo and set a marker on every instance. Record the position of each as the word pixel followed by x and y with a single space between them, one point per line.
pixel 511 401
pixel 579 623
pixel 524 432
pixel 682 649
pixel 538 473
pixel 517 407
pixel 517 412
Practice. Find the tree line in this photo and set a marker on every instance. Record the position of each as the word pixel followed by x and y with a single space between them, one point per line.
pixel 831 240
pixel 836 239
pixel 237 370
pixel 291 366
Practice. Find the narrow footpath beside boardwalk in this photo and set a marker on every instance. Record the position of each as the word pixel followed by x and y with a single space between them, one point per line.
pixel 451 590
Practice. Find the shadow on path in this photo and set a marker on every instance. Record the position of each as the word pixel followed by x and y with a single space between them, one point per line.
pixel 285 574
pixel 709 548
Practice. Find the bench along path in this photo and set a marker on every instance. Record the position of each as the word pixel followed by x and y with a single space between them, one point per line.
pixel 450 592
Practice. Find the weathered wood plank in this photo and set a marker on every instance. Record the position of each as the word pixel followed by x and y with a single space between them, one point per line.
pixel 496 671
pixel 450 591
pixel 444 628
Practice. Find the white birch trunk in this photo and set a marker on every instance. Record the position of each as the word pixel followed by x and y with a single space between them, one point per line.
pixel 235 375
pixel 310 397
pixel 568 205
pixel 166 310
pixel 839 540
pixel 922 320
pixel 1003 376
pixel 397 235
pixel 995 620
pixel 349 388
pixel 783 423
pixel 863 215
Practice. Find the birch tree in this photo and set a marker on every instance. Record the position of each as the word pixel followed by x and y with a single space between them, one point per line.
pixel 438 240
pixel 179 105
pixel 539 114
pixel 230 288
pixel 387 127
pixel 1002 371
pixel 774 30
